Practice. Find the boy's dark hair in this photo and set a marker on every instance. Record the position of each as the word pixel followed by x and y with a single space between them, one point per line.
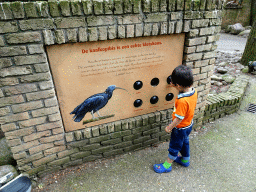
pixel 182 75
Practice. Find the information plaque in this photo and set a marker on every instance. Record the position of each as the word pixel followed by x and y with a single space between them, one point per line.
pixel 105 81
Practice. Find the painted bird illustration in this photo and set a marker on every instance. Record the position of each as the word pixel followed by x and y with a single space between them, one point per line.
pixel 93 104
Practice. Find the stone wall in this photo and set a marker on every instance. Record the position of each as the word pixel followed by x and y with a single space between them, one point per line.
pixel 242 15
pixel 29 110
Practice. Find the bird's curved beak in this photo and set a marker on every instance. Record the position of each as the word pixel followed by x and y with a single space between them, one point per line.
pixel 121 88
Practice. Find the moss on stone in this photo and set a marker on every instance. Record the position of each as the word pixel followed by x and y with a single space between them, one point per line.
pixel 30 9
pixel 76 8
pixel 188 4
pixel 197 5
pixel 65 8
pixel 43 9
pixel 17 10
pixel 54 9
pixel 155 5
pixel 202 4
pixel 98 7
pixel 180 5
pixel 87 7
pixel 6 157
pixel 127 6
pixel 6 13
pixel 108 6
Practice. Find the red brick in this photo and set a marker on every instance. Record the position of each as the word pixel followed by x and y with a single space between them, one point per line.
pixel 59 143
pixel 67 152
pixel 24 146
pixel 19 133
pixel 8 127
pixel 52 138
pixel 19 89
pixel 15 117
pixel 13 142
pixel 39 148
pixel 21 155
pixel 54 150
pixel 45 111
pixel 4 111
pixel 11 100
pixel 55 117
pixel 49 126
pixel 40 95
pixel 30 158
pixel 44 160
pixel 32 122
pixel 27 106
pixel 35 136
pixel 57 130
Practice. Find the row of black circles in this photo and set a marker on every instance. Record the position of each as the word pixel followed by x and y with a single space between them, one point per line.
pixel 153 100
pixel 154 82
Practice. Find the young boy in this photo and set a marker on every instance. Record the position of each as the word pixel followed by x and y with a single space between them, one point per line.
pixel 182 119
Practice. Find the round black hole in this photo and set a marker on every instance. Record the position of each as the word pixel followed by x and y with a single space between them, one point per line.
pixel 137 103
pixel 154 82
pixel 169 79
pixel 154 100
pixel 137 85
pixel 169 97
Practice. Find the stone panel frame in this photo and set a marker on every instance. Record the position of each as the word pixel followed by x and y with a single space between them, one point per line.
pixel 29 110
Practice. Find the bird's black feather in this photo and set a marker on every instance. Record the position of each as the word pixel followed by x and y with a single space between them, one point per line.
pixel 93 104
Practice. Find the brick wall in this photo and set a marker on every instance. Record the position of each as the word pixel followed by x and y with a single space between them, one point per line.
pixel 29 111
pixel 219 105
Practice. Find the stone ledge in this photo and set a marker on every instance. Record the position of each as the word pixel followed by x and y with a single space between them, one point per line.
pixel 139 122
pixel 21 10
pixel 219 105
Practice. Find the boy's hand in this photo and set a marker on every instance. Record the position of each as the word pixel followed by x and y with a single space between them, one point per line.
pixel 172 85
pixel 168 129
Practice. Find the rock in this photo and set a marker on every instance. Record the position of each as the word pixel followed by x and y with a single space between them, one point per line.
pixel 228 29
pixel 5 169
pixel 218 83
pixel 5 154
pixel 228 78
pixel 212 82
pixel 224 89
pixel 239 66
pixel 222 70
pixel 233 4
pixel 248 27
pixel 224 82
pixel 244 33
pixel 216 78
pixel 213 91
pixel 223 64
pixel 236 28
pixel 245 70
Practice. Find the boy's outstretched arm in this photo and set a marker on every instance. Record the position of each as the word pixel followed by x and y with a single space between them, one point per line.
pixel 175 122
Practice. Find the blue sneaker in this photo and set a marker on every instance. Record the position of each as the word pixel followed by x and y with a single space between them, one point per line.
pixel 159 168
pixel 178 160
